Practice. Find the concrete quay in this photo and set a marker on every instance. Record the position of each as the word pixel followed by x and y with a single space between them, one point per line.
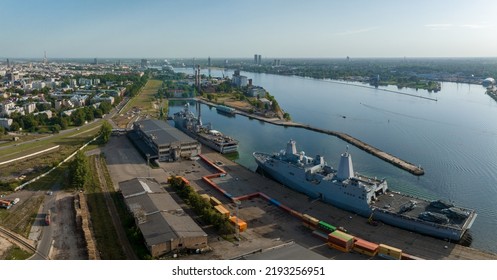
pixel 411 168
pixel 269 225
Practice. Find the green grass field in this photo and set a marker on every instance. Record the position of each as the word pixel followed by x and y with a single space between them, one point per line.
pixel 145 99
pixel 103 228
pixel 33 166
pixel 16 253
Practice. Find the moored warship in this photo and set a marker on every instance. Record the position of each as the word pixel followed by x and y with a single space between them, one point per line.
pixel 187 122
pixel 366 196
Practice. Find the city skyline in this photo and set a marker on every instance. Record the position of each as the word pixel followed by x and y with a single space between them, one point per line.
pixel 316 29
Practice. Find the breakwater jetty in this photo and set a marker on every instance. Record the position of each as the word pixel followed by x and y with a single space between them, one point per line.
pixel 411 168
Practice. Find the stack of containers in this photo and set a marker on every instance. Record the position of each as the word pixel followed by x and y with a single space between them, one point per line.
pixel 365 247
pixel 310 222
pixel 225 212
pixel 389 252
pixel 341 241
pixel 242 225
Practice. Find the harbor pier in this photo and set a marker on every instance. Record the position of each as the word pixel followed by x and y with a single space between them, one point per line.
pixel 411 168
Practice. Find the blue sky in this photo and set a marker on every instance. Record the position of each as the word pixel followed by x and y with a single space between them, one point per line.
pixel 194 28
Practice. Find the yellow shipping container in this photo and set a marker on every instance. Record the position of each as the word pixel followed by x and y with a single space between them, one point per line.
pixel 215 201
pixel 222 210
pixel 310 219
pixel 389 252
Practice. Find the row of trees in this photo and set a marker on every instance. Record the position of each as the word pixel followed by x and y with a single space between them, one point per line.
pixel 79 171
pixel 200 206
pixel 412 73
pixel 79 168
pixel 134 88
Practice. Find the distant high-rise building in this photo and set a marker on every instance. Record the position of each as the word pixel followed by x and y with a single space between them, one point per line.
pixel 239 80
pixel 95 61
pixel 45 60
pixel 144 63
pixel 255 58
pixel 209 65
pixel 8 63
pixel 197 78
pixel 259 59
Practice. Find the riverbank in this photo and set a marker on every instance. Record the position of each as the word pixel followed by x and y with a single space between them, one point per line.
pixel 411 168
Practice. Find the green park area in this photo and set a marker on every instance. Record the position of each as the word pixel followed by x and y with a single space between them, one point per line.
pixel 144 103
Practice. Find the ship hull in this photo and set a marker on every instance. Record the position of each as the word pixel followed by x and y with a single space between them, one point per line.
pixel 294 178
pixel 423 227
pixel 331 192
pixel 223 149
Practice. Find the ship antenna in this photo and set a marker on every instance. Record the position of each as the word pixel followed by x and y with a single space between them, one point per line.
pixel 347 149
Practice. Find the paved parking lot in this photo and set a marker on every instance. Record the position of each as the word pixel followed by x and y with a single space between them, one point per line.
pixel 269 226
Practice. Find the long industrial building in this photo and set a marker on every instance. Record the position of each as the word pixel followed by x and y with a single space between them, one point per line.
pixel 161 141
pixel 162 222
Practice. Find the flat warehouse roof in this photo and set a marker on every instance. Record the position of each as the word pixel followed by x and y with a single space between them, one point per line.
pixel 162 132
pixel 160 217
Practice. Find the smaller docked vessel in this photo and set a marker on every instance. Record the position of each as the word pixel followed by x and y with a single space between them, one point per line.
pixel 225 110
pixel 187 122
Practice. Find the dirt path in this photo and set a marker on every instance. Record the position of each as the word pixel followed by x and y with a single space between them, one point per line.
pixel 68 241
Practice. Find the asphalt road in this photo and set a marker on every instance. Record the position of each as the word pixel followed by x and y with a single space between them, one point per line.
pixel 46 235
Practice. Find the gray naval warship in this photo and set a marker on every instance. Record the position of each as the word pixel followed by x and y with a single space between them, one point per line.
pixel 187 122
pixel 366 196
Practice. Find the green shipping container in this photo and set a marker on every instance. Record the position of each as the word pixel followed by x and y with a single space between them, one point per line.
pixel 326 226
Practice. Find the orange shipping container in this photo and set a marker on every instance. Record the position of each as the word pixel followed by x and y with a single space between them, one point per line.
pixel 242 225
pixel 365 247
pixel 185 181
pixel 339 248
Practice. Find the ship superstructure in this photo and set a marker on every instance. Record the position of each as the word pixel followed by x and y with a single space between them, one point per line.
pixel 366 196
pixel 186 121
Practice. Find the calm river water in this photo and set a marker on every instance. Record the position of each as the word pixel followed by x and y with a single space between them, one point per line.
pixel 454 138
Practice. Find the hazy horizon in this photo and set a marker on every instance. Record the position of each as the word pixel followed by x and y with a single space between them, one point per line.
pixel 235 29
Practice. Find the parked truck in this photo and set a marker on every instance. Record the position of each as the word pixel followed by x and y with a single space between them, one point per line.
pixel 5 204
